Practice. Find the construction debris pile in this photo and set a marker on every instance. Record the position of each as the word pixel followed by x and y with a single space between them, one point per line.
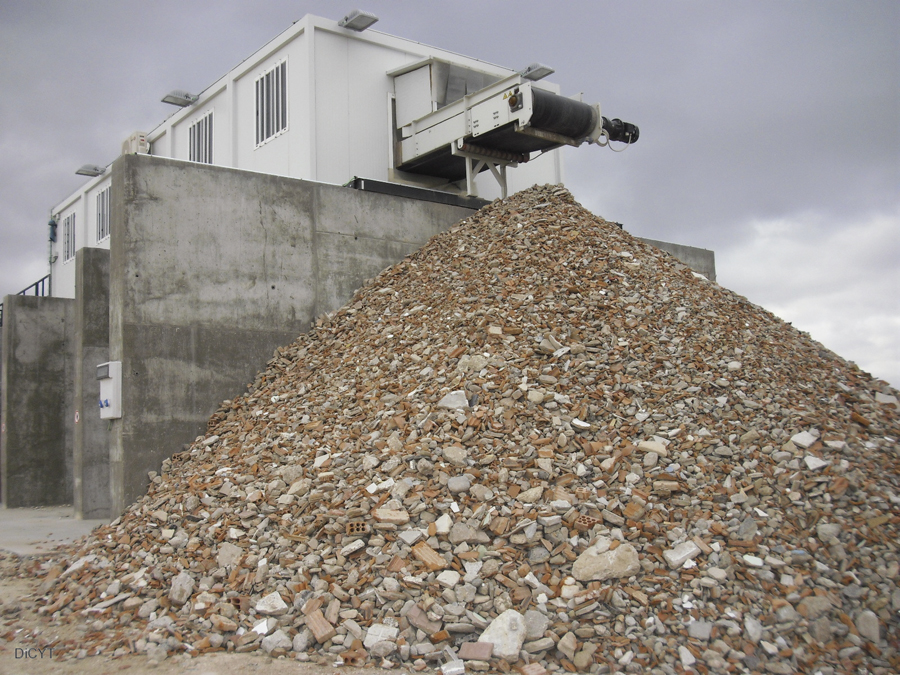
pixel 535 444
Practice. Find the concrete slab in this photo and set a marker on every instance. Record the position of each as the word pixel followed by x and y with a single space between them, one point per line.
pixel 28 531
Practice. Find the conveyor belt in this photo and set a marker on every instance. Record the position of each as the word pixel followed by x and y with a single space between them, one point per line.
pixel 553 113
pixel 550 112
pixel 562 115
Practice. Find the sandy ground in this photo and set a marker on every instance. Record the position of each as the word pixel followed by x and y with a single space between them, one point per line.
pixel 35 532
pixel 29 531
pixel 20 656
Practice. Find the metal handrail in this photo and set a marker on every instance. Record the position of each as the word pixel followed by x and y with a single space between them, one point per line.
pixel 41 289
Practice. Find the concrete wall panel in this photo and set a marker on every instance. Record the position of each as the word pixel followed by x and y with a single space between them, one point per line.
pixel 91 498
pixel 36 401
pixel 211 270
pixel 212 254
pixel 381 216
pixel 701 260
pixel 174 378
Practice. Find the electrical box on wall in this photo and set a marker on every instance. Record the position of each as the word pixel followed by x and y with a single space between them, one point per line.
pixel 110 376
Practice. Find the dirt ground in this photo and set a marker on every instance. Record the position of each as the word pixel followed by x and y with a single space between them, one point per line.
pixel 19 654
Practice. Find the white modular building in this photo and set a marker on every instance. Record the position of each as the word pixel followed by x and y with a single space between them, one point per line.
pixel 325 103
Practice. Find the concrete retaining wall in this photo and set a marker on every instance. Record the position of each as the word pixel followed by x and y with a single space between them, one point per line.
pixel 211 269
pixel 36 387
pixel 701 260
pixel 91 497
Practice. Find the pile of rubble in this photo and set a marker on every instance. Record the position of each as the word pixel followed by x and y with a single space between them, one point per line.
pixel 538 444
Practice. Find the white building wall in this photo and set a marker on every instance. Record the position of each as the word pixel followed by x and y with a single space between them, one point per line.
pixel 62 270
pixel 92 237
pixel 274 155
pixel 83 205
pixel 352 94
pixel 179 136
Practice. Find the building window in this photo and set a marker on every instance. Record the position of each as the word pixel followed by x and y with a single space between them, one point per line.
pixel 200 137
pixel 102 215
pixel 271 104
pixel 68 237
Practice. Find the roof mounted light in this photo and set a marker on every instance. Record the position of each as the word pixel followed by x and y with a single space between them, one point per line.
pixel 358 20
pixel 180 98
pixel 537 71
pixel 91 170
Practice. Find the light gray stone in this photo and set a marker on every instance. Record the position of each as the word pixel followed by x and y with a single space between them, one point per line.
pixel 461 532
pixel 271 605
pixel 814 606
pixel 750 437
pixel 654 446
pixel 148 608
pixel 868 625
pixel 854 591
pixel 535 624
pixel 458 484
pixel 679 555
pixel 302 640
pixel 443 524
pixel 181 589
pixel 583 660
pixel 886 399
pixel 747 529
pixel 481 493
pixel 821 630
pixel 598 563
pixel 507 634
pixel 465 593
pixel 687 659
pixel 410 537
pixel 229 554
pixel 567 644
pixel 455 400
pixel 786 613
pixel 379 632
pixel 700 629
pixel 455 455
pixel 277 640
pixel 448 578
pixel 827 531
pixel 804 439
pixel 814 463
pixel 714 660
pixel 753 629
pixel 383 649
pixel 539 645
pixel 538 555
pixel 531 495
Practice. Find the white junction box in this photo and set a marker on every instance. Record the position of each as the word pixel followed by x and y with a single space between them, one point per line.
pixel 110 376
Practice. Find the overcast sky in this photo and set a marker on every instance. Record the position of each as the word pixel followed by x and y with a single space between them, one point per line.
pixel 770 131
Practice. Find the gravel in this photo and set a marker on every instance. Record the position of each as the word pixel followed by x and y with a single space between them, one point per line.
pixel 536 433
